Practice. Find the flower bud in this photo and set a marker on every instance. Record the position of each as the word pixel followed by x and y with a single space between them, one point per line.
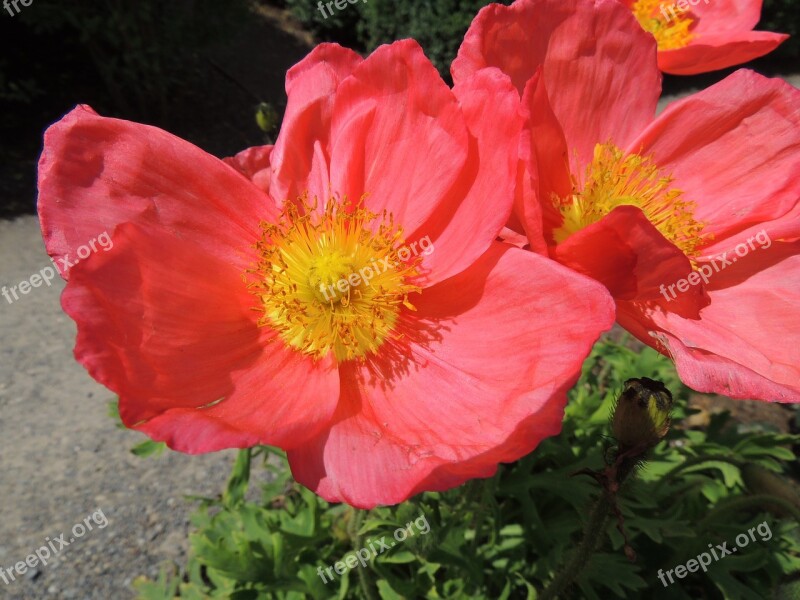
pixel 642 414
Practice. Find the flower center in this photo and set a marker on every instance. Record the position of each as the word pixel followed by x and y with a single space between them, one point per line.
pixel 331 281
pixel 666 21
pixel 615 179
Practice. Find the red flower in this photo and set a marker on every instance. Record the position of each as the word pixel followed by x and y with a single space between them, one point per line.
pixel 697 36
pixel 442 363
pixel 690 220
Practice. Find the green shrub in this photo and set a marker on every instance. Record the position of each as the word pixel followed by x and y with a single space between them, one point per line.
pixel 783 16
pixel 136 49
pixel 439 25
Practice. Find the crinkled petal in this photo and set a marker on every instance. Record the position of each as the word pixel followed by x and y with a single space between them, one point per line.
pixel 545 171
pixel 478 206
pixel 254 163
pixel 746 343
pixel 598 65
pixel 398 135
pixel 301 158
pixel 728 16
pixel 628 255
pixel 96 173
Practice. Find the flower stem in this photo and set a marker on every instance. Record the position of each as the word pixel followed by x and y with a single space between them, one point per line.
pixel 364 581
pixel 760 501
pixel 592 532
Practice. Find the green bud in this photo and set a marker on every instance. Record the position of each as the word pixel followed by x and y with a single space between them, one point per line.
pixel 642 414
pixel 266 117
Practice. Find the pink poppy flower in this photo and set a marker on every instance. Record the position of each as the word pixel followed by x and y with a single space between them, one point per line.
pixel 691 220
pixel 697 36
pixel 340 295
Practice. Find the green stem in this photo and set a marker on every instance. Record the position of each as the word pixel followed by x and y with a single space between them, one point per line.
pixel 592 532
pixel 364 580
pixel 758 500
pixel 487 492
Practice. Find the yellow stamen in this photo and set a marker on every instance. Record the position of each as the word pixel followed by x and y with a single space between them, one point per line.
pixel 333 281
pixel 669 24
pixel 615 179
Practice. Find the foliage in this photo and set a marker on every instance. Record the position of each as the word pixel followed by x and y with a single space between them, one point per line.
pixel 136 49
pixel 337 27
pixel 505 537
pixel 439 25
pixel 783 16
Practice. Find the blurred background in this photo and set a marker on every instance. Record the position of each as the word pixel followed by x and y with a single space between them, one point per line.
pixel 203 70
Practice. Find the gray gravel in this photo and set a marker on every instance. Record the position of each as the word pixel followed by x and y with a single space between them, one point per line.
pixel 62 458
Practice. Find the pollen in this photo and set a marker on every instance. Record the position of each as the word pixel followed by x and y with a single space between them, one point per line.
pixel 614 179
pixel 668 23
pixel 332 280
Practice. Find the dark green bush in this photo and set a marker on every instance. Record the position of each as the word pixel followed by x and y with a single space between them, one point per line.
pixel 783 16
pixel 134 49
pixel 340 27
pixel 439 25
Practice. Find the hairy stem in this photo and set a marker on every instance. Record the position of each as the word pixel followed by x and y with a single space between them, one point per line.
pixel 592 532
pixel 364 579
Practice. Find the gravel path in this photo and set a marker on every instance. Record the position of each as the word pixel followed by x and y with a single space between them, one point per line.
pixel 63 459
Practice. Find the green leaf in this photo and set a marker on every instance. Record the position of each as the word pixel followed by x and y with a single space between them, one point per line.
pixel 148 448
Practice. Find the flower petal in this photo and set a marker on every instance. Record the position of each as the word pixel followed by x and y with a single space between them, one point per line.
pixel 734 149
pixel 595 60
pixel 713 51
pixel 546 174
pixel 301 156
pixel 398 135
pixel 96 173
pixel 628 255
pixel 488 387
pixel 254 163
pixel 728 16
pixel 478 206
pixel 746 343
pixel 172 330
